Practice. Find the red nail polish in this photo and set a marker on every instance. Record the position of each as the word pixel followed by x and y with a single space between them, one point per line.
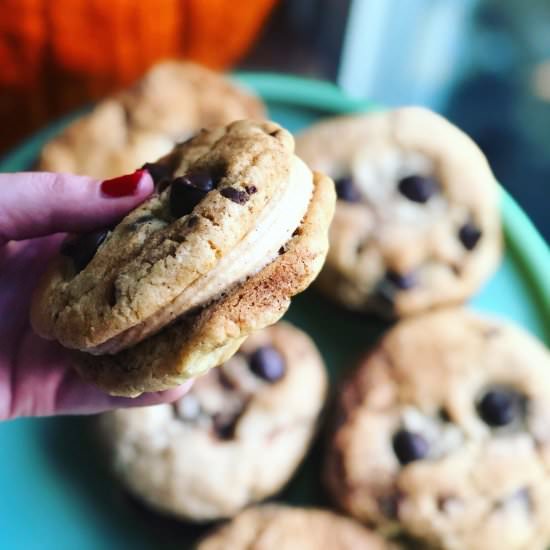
pixel 123 185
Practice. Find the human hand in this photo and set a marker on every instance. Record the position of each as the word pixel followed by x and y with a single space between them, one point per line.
pixel 35 210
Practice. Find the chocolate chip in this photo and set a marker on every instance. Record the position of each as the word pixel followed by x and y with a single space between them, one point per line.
pixel 239 197
pixel 112 296
pixel 346 190
pixel 444 415
pixel 82 249
pixel 500 407
pixel 225 425
pixel 202 179
pixel 160 187
pixel 418 188
pixel 251 189
pixel 267 363
pixel 224 380
pixel 456 269
pixel 383 297
pixel 361 247
pixel 192 221
pixel 157 171
pixel 401 281
pixel 469 235
pixel 409 446
pixel 187 191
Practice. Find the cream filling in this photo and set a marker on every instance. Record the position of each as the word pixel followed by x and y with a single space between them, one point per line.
pixel 275 225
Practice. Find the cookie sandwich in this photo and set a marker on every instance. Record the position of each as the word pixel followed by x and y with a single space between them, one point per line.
pixel 238 225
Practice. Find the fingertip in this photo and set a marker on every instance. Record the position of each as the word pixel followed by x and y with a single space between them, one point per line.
pixel 167 396
pixel 146 184
pixel 34 204
pixel 115 198
pixel 150 398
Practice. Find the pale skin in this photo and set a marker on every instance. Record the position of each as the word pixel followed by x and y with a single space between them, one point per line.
pixel 36 209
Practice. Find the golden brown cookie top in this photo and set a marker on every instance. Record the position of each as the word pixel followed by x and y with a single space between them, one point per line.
pixel 246 423
pixel 417 222
pixel 173 101
pixel 226 202
pixel 442 434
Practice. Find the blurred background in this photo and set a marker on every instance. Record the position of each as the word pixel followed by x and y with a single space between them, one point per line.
pixel 485 64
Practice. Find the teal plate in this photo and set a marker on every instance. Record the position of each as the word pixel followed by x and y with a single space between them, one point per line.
pixel 55 491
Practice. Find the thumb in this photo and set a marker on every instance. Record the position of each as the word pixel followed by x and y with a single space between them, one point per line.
pixel 33 204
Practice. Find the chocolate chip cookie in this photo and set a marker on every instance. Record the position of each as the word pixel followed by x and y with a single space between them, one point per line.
pixel 417 220
pixel 443 434
pixel 277 527
pixel 235 438
pixel 237 226
pixel 170 103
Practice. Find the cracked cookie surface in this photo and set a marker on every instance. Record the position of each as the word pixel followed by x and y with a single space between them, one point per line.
pixel 238 227
pixel 173 240
pixel 277 527
pixel 169 104
pixel 235 438
pixel 443 434
pixel 417 220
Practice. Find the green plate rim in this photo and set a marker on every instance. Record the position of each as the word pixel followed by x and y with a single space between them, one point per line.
pixel 523 239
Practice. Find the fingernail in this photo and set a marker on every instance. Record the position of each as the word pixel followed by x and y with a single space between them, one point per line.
pixel 122 186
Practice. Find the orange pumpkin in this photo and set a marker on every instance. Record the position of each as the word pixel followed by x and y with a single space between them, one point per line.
pixel 56 55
